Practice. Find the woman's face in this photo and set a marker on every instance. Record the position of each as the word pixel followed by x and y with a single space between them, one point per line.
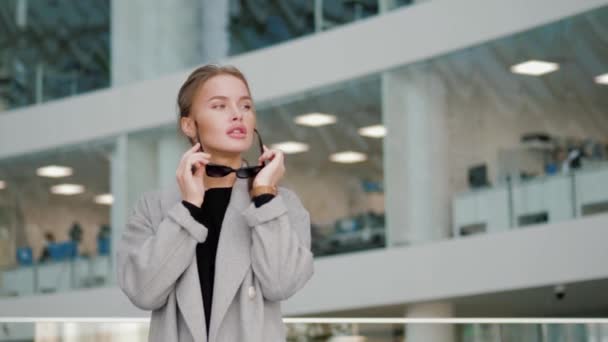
pixel 224 111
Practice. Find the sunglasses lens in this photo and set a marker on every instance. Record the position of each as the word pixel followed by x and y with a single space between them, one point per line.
pixel 248 172
pixel 216 170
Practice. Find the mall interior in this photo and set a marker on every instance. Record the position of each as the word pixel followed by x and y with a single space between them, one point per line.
pixel 453 157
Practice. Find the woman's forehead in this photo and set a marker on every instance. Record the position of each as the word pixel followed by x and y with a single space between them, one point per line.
pixel 224 86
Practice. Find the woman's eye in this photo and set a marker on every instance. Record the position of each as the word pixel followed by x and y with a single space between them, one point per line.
pixel 248 107
pixel 218 106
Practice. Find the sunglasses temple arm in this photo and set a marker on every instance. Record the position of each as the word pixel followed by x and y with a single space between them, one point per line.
pixel 198 138
pixel 260 143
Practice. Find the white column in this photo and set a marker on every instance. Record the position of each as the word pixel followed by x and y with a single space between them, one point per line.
pixel 118 188
pixel 214 33
pixel 422 332
pixel 133 170
pixel 151 38
pixel 386 5
pixel 415 148
pixel 171 146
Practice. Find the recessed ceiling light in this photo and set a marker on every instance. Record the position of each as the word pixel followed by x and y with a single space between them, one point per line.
pixel 375 131
pixel 54 171
pixel 534 68
pixel 348 157
pixel 315 119
pixel 601 79
pixel 291 147
pixel 106 199
pixel 67 189
pixel 2 184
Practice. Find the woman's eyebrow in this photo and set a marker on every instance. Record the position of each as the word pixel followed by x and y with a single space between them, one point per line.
pixel 217 97
pixel 220 97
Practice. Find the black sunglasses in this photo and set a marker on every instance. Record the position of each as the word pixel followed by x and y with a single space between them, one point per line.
pixel 216 170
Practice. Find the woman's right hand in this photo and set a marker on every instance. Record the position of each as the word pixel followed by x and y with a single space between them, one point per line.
pixel 192 186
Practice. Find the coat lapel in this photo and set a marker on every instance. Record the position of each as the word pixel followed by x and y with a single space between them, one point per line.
pixel 188 291
pixel 190 302
pixel 232 261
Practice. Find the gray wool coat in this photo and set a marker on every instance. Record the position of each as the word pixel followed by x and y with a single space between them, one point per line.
pixel 263 257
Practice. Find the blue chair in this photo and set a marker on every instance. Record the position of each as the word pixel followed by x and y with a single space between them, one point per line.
pixel 103 246
pixel 551 168
pixel 60 251
pixel 24 256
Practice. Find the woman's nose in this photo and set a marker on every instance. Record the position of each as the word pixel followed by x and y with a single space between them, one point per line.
pixel 236 113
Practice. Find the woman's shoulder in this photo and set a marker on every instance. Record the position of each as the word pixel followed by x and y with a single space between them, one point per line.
pixel 286 192
pixel 290 197
pixel 157 199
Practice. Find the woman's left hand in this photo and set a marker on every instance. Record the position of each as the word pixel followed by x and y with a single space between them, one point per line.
pixel 274 169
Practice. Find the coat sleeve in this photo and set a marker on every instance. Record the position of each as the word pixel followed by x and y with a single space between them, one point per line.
pixel 280 253
pixel 150 259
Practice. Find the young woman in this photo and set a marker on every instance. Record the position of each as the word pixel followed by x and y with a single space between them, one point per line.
pixel 214 255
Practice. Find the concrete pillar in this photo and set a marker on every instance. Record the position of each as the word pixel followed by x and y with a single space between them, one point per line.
pixel 215 30
pixel 422 332
pixel 118 189
pixel 171 147
pixel 415 148
pixel 386 5
pixel 151 38
pixel 133 170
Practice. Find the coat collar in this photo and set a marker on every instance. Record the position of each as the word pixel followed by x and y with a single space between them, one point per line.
pixel 232 260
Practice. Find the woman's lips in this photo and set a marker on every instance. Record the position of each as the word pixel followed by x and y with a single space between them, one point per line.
pixel 237 131
pixel 237 135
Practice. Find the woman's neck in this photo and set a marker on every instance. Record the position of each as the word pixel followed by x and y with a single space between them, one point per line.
pixel 233 160
pixel 219 182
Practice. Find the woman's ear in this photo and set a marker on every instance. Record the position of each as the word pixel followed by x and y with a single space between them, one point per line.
pixel 188 128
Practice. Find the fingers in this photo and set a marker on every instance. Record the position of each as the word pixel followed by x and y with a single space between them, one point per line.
pixel 185 166
pixel 198 159
pixel 191 150
pixel 270 154
pixel 189 158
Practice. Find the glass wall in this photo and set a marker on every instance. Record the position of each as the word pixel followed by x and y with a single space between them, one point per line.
pixel 52 49
pixel 256 24
pixel 55 49
pixel 515 132
pixel 528 126
pixel 332 138
pixel 55 220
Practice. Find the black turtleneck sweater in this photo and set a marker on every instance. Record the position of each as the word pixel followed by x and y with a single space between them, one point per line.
pixel 211 215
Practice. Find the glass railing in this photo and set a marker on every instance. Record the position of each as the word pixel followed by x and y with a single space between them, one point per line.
pixel 543 199
pixel 256 25
pixel 77 272
pixel 343 330
pixel 55 227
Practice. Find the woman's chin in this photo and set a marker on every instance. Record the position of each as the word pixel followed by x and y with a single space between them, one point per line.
pixel 236 147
